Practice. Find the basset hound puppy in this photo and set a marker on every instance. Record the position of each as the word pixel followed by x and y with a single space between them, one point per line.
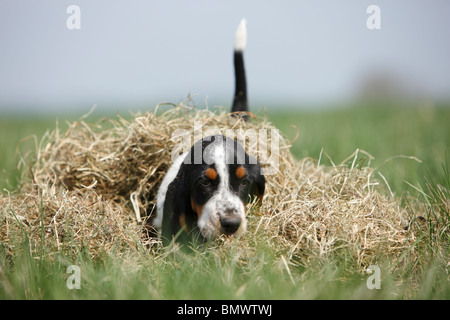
pixel 205 191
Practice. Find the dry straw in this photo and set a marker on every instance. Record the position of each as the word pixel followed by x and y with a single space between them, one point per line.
pixel 95 184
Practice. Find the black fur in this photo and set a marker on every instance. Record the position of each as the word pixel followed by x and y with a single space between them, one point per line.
pixel 240 103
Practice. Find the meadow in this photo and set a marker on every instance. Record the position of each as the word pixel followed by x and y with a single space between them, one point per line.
pixel 407 146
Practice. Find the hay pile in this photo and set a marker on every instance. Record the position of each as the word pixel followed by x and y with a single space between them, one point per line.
pixel 95 185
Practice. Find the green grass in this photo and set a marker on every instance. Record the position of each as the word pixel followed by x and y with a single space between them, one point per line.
pixel 208 274
pixel 387 133
pixel 231 272
pixel 19 136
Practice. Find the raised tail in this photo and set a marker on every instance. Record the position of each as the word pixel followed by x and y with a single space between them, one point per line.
pixel 240 95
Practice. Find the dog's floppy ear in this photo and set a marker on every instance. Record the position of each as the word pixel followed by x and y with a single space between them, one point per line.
pixel 175 206
pixel 184 219
pixel 260 184
pixel 259 181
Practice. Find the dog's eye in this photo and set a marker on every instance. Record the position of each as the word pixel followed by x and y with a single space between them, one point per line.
pixel 244 182
pixel 205 183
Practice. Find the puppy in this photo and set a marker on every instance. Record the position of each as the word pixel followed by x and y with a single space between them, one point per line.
pixel 205 191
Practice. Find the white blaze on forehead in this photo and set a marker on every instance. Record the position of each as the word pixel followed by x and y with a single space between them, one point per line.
pixel 219 154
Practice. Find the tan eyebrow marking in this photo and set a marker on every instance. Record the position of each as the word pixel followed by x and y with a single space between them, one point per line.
pixel 211 173
pixel 240 172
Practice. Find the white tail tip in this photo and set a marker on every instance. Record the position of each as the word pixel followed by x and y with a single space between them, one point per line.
pixel 241 36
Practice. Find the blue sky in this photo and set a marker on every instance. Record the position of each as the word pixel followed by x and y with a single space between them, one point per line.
pixel 135 54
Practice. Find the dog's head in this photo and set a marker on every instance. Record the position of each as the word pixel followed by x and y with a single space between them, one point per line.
pixel 220 179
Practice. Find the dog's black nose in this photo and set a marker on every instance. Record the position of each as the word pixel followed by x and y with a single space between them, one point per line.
pixel 230 224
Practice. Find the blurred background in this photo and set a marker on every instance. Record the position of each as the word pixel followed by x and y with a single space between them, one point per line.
pixel 300 54
pixel 314 66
